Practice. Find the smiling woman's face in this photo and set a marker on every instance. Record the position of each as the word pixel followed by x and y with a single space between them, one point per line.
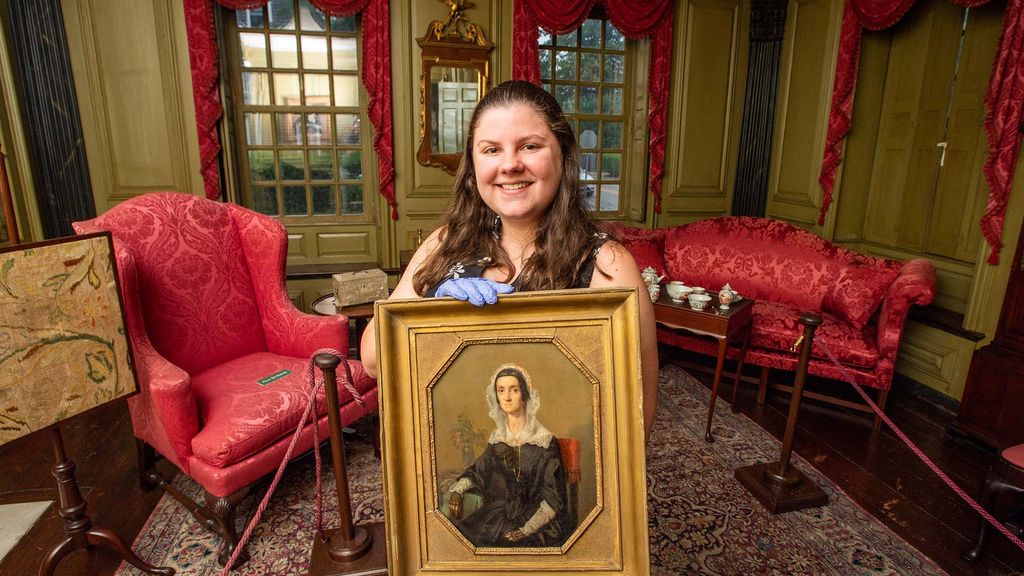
pixel 510 396
pixel 517 161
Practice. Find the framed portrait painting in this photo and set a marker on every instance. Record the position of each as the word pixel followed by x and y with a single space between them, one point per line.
pixel 512 435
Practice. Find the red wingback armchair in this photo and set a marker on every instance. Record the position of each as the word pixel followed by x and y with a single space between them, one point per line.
pixel 221 353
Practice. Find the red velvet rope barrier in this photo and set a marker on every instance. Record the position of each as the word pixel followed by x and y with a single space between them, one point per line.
pixel 376 54
pixel 635 19
pixel 918 452
pixel 308 415
pixel 1004 100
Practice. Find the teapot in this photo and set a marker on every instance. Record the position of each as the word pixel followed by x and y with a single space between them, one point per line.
pixel 726 296
pixel 650 276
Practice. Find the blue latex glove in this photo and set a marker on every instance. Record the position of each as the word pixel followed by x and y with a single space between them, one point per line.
pixel 478 291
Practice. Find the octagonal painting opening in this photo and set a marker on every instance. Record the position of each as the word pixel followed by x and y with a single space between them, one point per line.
pixel 515 430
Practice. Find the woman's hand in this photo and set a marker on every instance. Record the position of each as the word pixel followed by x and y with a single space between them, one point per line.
pixel 478 291
pixel 515 535
pixel 455 504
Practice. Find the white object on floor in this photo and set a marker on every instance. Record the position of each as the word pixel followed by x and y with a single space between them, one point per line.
pixel 15 521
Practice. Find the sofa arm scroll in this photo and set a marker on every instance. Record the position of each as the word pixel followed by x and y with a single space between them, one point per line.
pixel 914 285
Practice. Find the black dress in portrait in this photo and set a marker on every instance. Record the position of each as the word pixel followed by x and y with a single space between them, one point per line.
pixel 513 481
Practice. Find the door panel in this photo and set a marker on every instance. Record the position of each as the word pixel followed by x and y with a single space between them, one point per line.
pixel 130 64
pixel 921 62
pixel 805 83
pixel 961 194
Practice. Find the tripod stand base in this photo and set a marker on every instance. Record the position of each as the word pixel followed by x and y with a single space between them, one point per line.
pixel 796 493
pixel 78 529
pixel 373 562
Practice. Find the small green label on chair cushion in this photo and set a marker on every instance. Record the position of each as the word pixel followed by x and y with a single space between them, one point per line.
pixel 272 377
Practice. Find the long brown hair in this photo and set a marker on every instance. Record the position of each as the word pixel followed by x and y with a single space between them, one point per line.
pixel 566 234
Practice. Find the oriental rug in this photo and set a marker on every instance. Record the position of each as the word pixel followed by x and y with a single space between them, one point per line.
pixel 701 520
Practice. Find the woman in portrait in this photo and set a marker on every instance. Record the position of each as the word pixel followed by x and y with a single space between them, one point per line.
pixel 519 477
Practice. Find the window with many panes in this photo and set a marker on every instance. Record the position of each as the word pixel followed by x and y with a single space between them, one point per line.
pixel 295 77
pixel 586 71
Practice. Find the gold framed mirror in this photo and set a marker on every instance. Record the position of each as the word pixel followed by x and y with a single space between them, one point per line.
pixel 453 78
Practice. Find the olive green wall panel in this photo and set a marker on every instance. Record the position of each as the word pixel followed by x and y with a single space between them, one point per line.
pixel 935 358
pixel 130 62
pixel 805 87
pixel 859 149
pixel 332 244
pixel 705 110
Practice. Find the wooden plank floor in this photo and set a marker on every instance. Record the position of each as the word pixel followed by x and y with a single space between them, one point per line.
pixel 876 469
pixel 882 474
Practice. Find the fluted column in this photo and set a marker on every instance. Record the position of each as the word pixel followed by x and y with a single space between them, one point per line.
pixel 767 27
pixel 49 112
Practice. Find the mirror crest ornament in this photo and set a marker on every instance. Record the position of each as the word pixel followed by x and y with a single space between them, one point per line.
pixel 453 78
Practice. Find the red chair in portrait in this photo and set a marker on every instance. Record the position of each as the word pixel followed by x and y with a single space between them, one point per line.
pixel 221 352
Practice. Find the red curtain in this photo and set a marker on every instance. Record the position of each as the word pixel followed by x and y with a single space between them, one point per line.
pixel 202 48
pixel 635 19
pixel 1005 98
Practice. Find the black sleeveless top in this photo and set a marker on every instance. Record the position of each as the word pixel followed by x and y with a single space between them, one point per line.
pixel 475 269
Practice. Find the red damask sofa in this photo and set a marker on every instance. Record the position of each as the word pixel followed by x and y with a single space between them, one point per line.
pixel 863 301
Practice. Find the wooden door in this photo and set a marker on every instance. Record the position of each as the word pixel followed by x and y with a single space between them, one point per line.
pixel 925 194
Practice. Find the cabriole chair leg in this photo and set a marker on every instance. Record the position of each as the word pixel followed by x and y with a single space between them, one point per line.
pixel 223 512
pixel 883 395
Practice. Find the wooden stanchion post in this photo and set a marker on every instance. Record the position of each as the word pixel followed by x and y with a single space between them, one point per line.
pixel 350 550
pixel 777 485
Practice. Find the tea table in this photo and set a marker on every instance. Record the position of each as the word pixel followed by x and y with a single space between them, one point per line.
pixel 724 325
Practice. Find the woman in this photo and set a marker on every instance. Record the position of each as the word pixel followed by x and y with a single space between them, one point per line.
pixel 519 476
pixel 516 221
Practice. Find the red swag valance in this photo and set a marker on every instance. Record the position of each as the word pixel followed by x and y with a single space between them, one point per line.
pixel 1004 99
pixel 202 49
pixel 635 19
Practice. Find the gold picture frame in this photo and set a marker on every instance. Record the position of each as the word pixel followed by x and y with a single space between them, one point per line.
pixel 439 361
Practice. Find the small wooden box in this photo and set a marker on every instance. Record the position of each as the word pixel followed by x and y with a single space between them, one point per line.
pixel 360 287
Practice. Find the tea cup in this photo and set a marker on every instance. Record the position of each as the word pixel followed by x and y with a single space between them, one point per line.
pixel 698 301
pixel 698 289
pixel 677 290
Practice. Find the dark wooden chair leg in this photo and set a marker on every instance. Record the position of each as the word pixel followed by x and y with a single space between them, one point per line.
pixel 223 510
pixel 993 486
pixel 762 385
pixel 883 395
pixel 147 461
